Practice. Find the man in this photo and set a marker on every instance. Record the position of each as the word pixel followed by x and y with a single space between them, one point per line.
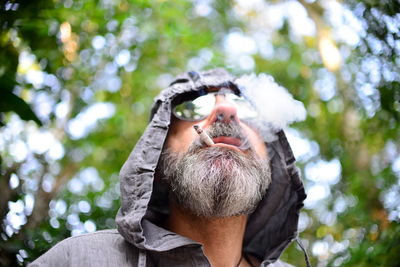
pixel 233 202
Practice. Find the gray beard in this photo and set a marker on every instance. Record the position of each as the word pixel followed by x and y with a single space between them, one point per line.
pixel 216 181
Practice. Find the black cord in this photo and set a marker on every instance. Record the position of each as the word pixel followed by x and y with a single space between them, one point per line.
pixel 304 251
pixel 240 260
pixel 247 259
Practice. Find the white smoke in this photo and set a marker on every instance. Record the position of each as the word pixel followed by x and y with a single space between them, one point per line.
pixel 275 105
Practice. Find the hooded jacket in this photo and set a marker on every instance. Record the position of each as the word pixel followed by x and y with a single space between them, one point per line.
pixel 140 240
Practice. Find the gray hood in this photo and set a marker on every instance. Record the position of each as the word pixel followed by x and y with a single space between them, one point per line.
pixel 271 227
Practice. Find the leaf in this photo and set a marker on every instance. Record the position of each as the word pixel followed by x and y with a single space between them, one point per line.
pixel 11 102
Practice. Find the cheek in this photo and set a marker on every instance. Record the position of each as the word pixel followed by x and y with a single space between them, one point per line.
pixel 180 138
pixel 256 141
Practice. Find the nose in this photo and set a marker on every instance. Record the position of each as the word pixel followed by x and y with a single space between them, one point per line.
pixel 224 111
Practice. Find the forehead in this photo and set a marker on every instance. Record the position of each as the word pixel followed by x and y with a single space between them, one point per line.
pixel 226 87
pixel 222 90
pixel 204 90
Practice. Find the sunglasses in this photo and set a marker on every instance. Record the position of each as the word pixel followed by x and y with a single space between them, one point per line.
pixel 202 106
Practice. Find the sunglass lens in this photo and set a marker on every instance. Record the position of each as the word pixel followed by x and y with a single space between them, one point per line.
pixel 196 109
pixel 202 106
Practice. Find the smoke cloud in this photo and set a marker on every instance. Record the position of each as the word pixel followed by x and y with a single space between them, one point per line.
pixel 276 106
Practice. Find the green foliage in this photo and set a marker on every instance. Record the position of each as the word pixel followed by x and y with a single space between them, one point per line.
pixel 87 71
pixel 11 102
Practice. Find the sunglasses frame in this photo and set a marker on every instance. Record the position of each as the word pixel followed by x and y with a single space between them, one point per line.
pixel 194 95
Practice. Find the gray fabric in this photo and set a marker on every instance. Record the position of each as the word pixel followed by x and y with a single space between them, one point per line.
pixel 108 248
pixel 270 229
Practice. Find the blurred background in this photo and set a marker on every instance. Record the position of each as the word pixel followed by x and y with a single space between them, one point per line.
pixel 77 78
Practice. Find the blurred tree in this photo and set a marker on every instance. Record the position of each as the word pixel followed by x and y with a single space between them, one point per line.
pixel 90 79
pixel 81 76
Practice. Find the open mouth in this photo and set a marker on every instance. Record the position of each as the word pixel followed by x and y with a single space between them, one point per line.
pixel 228 142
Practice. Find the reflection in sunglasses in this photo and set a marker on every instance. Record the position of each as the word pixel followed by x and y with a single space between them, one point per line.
pixel 202 106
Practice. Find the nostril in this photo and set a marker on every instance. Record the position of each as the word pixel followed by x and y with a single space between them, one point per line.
pixel 220 117
pixel 224 112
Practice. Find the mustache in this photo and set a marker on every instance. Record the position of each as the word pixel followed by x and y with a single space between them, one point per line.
pixel 217 129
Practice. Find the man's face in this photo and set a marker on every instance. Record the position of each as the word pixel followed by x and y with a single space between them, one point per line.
pixel 226 179
pixel 181 133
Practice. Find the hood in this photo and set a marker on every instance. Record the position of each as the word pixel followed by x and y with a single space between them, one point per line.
pixel 270 228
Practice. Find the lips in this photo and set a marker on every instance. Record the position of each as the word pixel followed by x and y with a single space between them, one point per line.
pixel 227 142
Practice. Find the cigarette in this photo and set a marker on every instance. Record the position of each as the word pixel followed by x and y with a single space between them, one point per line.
pixel 204 137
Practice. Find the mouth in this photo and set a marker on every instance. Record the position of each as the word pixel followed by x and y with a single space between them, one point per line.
pixel 228 142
